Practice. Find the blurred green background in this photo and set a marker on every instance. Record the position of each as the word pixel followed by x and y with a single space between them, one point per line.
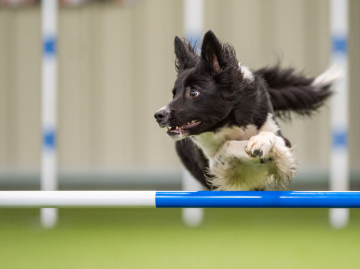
pixel 157 238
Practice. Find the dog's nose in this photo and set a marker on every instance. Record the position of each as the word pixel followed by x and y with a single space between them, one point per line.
pixel 161 114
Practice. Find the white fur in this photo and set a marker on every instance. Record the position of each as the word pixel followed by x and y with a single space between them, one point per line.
pixel 329 76
pixel 270 125
pixel 233 169
pixel 179 136
pixel 247 74
pixel 229 153
pixel 211 142
pixel 263 142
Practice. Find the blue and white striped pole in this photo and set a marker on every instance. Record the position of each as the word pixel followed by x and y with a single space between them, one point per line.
pixel 180 199
pixel 194 20
pixel 49 104
pixel 339 164
pixel 193 27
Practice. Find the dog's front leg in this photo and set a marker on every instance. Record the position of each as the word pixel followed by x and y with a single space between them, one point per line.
pixel 268 146
pixel 261 145
pixel 230 150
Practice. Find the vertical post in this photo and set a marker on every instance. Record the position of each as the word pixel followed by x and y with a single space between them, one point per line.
pixel 339 165
pixel 48 105
pixel 192 217
pixel 193 26
pixel 193 19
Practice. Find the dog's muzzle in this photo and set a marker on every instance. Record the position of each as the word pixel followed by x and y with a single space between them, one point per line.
pixel 162 115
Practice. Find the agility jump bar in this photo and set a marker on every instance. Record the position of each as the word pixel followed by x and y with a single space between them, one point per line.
pixel 180 199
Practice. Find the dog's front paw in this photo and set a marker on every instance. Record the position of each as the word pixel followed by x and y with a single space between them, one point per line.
pixel 261 145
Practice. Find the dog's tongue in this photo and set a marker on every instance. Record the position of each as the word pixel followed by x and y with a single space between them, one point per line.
pixel 186 126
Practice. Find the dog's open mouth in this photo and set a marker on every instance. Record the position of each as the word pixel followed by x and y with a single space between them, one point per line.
pixel 182 128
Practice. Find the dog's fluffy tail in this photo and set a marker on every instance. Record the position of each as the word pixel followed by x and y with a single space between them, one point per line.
pixel 290 92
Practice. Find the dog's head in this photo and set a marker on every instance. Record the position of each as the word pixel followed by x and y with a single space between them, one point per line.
pixel 206 88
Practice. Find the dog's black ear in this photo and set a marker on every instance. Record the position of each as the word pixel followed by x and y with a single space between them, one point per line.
pixel 211 52
pixel 186 56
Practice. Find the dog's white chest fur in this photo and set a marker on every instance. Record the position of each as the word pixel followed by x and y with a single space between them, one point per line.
pixel 239 157
pixel 211 142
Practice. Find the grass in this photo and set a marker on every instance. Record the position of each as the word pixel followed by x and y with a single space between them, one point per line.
pixel 156 238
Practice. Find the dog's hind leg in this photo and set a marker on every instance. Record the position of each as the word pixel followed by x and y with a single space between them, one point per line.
pixel 233 169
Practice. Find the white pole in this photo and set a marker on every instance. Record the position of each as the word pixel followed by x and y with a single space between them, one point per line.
pixel 192 217
pixel 48 103
pixel 194 19
pixel 193 26
pixel 339 165
pixel 77 198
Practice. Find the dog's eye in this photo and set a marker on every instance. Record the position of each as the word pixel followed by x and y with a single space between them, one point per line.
pixel 194 93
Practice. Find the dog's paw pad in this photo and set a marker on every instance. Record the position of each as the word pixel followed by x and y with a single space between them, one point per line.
pixel 260 145
pixel 257 153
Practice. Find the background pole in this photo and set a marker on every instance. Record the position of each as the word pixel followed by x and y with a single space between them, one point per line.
pixel 49 104
pixel 193 27
pixel 339 164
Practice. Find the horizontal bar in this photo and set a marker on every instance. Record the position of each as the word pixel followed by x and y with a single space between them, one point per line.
pixel 259 199
pixel 60 199
pixel 173 199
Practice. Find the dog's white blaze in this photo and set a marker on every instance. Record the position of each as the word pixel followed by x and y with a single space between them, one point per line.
pixel 166 108
pixel 247 74
pixel 331 75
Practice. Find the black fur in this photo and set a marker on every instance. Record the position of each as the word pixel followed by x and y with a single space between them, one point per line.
pixel 193 160
pixel 185 55
pixel 224 97
pixel 290 92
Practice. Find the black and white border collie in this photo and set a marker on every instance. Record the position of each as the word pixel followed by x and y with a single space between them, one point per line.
pixel 223 116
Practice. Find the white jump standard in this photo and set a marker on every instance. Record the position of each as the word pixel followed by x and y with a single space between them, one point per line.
pixel 180 199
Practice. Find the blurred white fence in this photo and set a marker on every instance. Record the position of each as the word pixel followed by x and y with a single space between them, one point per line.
pixel 116 69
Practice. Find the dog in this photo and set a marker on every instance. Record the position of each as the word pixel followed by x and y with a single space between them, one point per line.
pixel 223 116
